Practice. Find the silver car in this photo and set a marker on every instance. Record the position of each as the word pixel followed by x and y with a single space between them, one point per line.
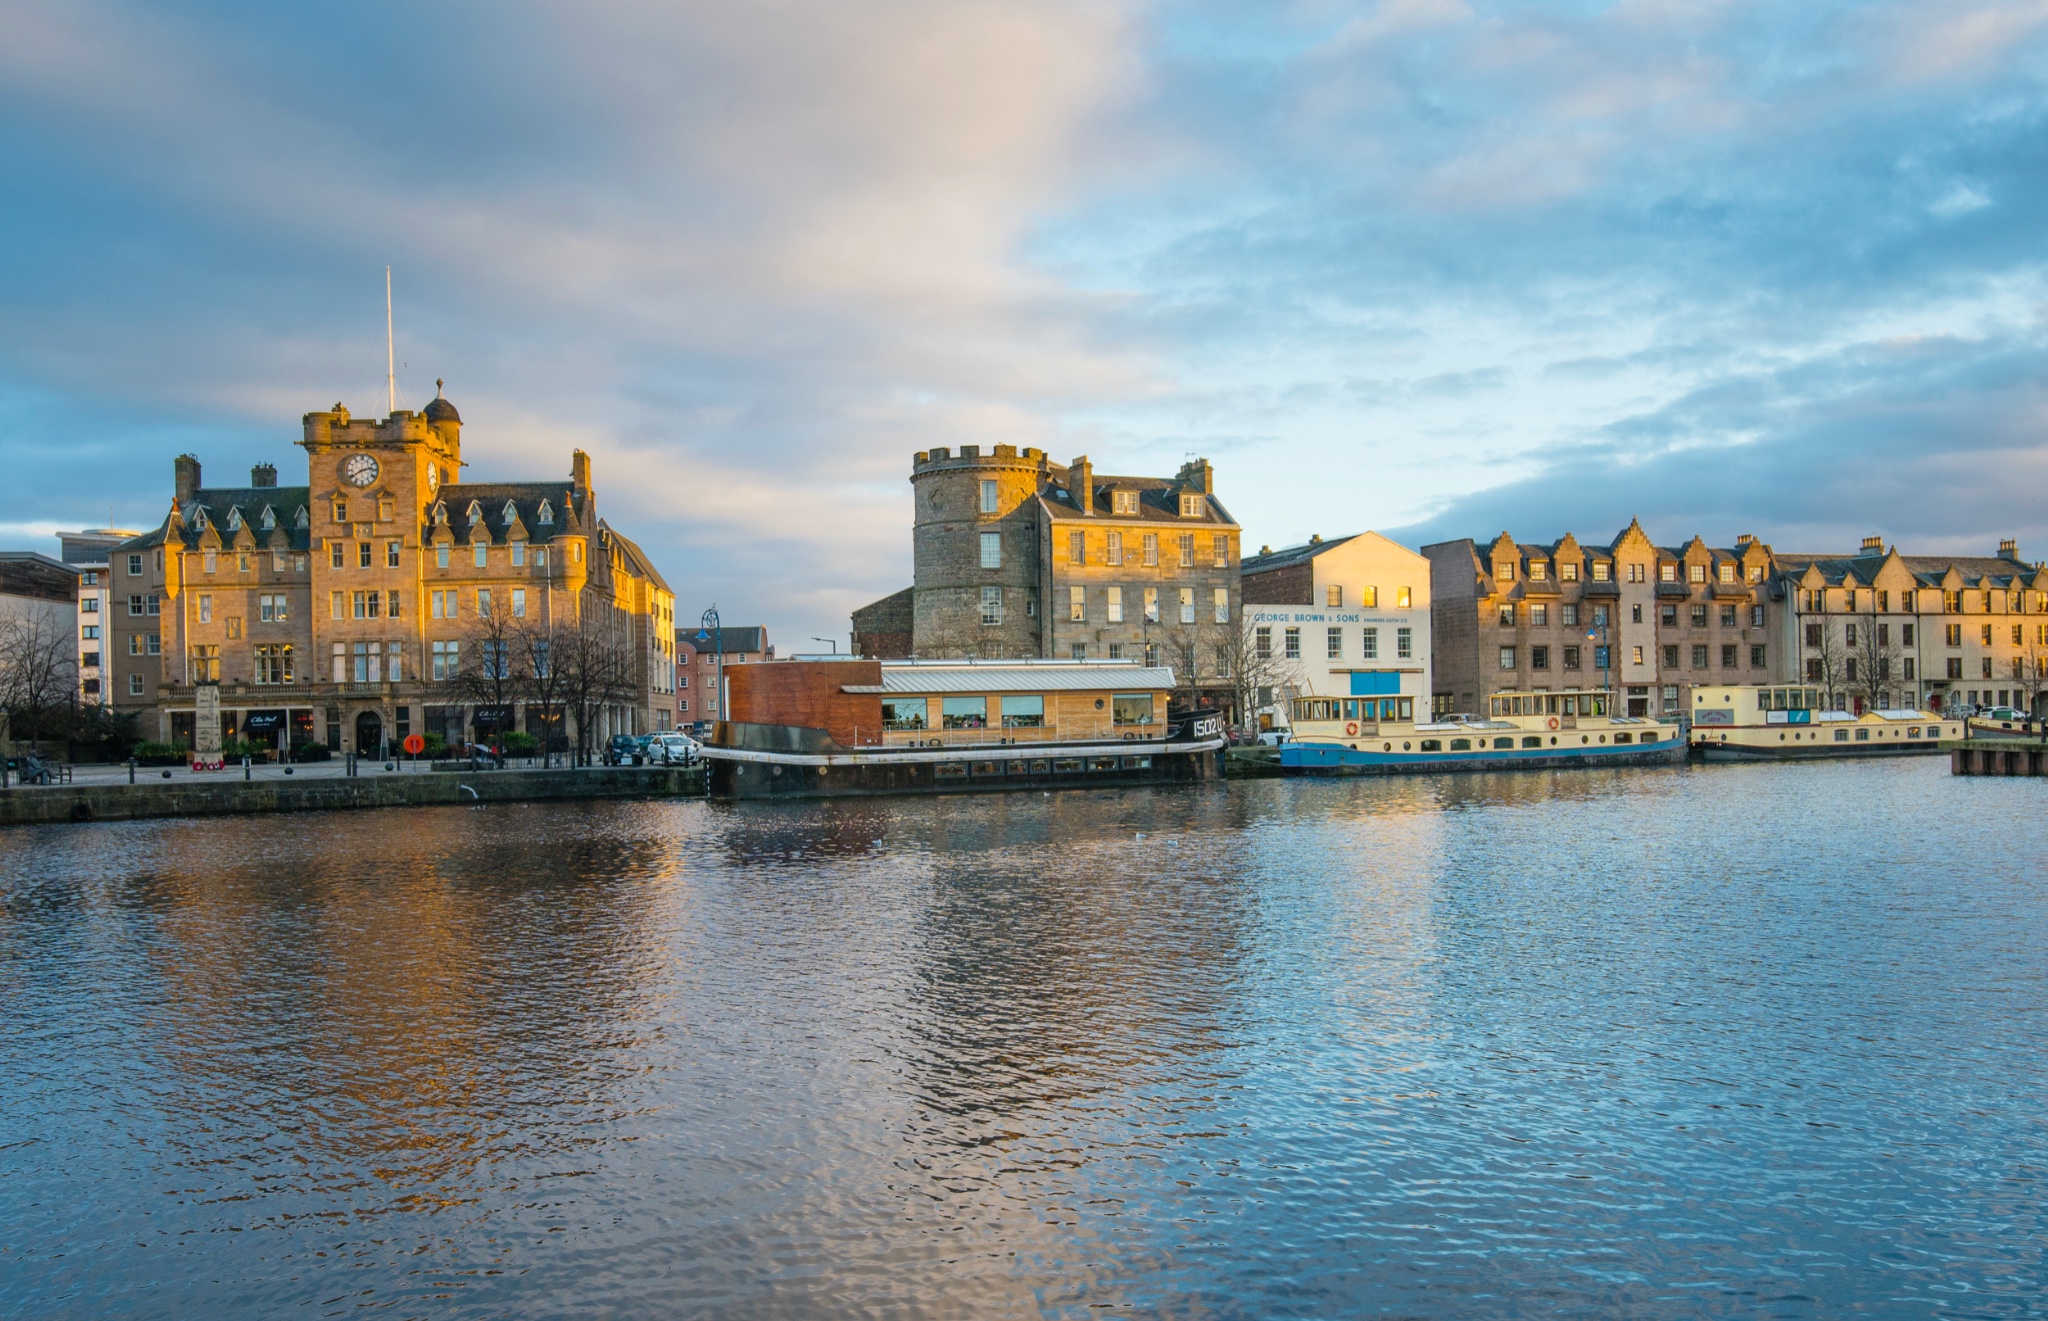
pixel 673 749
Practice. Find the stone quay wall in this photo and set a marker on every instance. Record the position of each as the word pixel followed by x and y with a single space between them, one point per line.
pixel 126 802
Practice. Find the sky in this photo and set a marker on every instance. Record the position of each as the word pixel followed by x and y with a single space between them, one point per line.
pixel 1434 267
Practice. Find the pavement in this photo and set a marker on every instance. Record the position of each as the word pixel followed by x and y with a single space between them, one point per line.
pixel 334 768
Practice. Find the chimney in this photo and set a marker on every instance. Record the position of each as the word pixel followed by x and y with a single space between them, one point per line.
pixel 1873 545
pixel 263 474
pixel 187 468
pixel 1315 538
pixel 1744 538
pixel 579 470
pixel 2009 549
pixel 1198 475
pixel 1081 484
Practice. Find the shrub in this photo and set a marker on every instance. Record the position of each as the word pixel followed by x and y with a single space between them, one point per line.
pixel 161 754
pixel 310 752
pixel 518 743
pixel 437 746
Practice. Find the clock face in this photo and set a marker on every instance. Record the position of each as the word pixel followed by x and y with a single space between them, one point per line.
pixel 359 469
pixel 433 477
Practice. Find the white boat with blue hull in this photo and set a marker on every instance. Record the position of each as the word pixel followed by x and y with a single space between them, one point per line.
pixel 1522 731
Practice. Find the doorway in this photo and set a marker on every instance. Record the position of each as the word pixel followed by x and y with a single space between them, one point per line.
pixel 369 734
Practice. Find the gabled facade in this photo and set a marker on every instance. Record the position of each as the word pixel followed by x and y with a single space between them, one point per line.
pixel 1344 617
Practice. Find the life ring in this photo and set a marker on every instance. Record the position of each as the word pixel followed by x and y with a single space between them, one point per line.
pixel 1351 727
pixel 1553 722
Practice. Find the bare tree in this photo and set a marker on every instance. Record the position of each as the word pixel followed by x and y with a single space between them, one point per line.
pixel 38 675
pixel 593 668
pixel 1871 660
pixel 1248 666
pixel 487 674
pixel 1826 659
pixel 533 656
pixel 2030 677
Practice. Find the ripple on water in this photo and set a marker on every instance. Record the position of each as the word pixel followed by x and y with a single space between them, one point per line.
pixel 1728 1041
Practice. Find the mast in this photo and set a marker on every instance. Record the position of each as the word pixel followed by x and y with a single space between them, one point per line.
pixel 390 353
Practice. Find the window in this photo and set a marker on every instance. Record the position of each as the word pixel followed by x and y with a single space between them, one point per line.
pixel 206 664
pixel 497 661
pixel 1987 667
pixel 1123 502
pixel 274 608
pixel 1024 712
pixel 1219 546
pixel 1600 616
pixel 1190 506
pixel 1131 708
pixel 447 662
pixel 234 623
pixel 1151 605
pixel 1955 667
pixel 1507 615
pixel 274 663
pixel 1538 571
pixel 441 556
pixel 1539 615
pixel 1116 651
pixel 1335 644
pixel 152 644
pixel 391 671
pixel 1671 657
pixel 1699 616
pixel 540 557
pixel 2018 632
pixel 1636 573
pixel 1369 598
pixel 1187 605
pixel 1222 603
pixel 1077 605
pixel 206 609
pixel 135 565
pixel 1292 644
pixel 135 604
pixel 963 712
pixel 1729 653
pixel 481 550
pixel 1080 651
pixel 1404 644
pixel 991 550
pixel 1727 616
pixel 1696 573
pixel 1507 658
pixel 483 602
pixel 1539 658
pixel 1756 657
pixel 1955 635
pixel 519 603
pixel 1571 658
pixel 1599 658
pixel 1077 547
pixel 1983 633
pixel 1668 616
pixel 1635 614
pixel 1600 571
pixel 1636 656
pixel 1262 642
pixel 1114 549
pixel 991 606
pixel 89 632
pixel 1152 550
pixel 1906 635
pixel 1187 550
pixel 363 554
pixel 1116 605
pixel 211 559
pixel 1568 615
pixel 1667 573
pixel 1568 572
pixel 989 497
pixel 1404 598
pixel 444 604
pixel 518 554
pixel 1504 571
pixel 135 685
pixel 1699 657
pixel 367 605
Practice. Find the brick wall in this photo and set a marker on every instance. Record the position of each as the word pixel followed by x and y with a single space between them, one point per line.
pixel 808 694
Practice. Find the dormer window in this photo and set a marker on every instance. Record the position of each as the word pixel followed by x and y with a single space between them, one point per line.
pixel 1727 572
pixel 1539 572
pixel 547 513
pixel 1667 573
pixel 475 512
pixel 268 522
pixel 302 519
pixel 1504 571
pixel 1191 506
pixel 234 520
pixel 1601 570
pixel 1568 572
pixel 510 513
pixel 1123 502
pixel 1696 572
pixel 440 514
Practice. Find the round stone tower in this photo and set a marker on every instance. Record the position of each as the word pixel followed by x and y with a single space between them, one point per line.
pixel 977 558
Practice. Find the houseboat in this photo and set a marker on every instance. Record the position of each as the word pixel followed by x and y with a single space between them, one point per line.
pixel 2004 722
pixel 1521 731
pixel 1755 722
pixel 817 728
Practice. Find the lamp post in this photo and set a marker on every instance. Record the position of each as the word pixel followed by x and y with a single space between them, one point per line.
pixel 830 642
pixel 709 631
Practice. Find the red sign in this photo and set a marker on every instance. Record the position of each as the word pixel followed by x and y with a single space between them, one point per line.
pixel 414 744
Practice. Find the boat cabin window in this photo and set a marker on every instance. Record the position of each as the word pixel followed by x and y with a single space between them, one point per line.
pixel 1461 745
pixel 964 712
pixel 1503 743
pixel 1531 741
pixel 1025 712
pixel 903 712
pixel 1315 708
pixel 1132 708
pixel 1787 699
pixel 1624 738
pixel 1548 704
pixel 1433 745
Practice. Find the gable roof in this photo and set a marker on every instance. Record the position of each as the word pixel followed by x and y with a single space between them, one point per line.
pixel 480 509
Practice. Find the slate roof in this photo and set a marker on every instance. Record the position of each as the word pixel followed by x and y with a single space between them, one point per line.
pixel 1158 502
pixel 215 507
pixel 1290 556
pixel 1977 571
pixel 636 557
pixel 490 498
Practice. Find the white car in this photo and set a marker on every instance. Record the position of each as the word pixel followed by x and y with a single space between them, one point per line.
pixel 673 749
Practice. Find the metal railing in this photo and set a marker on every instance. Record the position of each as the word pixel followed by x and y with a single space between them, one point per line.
pixel 1071 731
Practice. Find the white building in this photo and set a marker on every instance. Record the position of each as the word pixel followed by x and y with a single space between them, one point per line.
pixel 87 551
pixel 1342 618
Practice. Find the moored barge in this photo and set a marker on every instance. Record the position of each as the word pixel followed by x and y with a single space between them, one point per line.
pixel 1771 722
pixel 1521 731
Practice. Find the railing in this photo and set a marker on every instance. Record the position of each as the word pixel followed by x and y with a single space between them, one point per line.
pixel 1071 731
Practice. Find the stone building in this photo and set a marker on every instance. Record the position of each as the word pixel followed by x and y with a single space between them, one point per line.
pixel 1881 629
pixel 1345 617
pixel 88 551
pixel 1018 557
pixel 344 610
pixel 1644 620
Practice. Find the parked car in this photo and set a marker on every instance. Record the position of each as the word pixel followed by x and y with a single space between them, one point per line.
pixel 673 749
pixel 1275 738
pixel 624 750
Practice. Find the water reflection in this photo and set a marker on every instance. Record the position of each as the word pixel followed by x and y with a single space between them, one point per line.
pixel 1612 1044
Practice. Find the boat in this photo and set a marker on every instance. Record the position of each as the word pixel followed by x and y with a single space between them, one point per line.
pixel 1521 731
pixel 2004 722
pixel 1767 722
pixel 821 728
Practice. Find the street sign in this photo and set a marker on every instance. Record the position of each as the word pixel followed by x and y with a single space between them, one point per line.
pixel 414 745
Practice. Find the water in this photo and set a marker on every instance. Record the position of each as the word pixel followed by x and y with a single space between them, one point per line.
pixel 1744 1041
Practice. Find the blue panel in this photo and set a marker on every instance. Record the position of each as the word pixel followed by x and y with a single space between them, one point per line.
pixel 1374 683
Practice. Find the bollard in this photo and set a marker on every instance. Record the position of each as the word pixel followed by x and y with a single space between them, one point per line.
pixel 131 770
pixel 245 767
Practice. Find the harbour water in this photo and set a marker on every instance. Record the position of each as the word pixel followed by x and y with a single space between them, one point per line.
pixel 1728 1041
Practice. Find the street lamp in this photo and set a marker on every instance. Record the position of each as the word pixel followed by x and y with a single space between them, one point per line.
pixel 830 642
pixel 709 631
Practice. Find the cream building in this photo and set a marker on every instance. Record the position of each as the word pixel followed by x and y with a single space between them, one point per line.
pixel 1343 618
